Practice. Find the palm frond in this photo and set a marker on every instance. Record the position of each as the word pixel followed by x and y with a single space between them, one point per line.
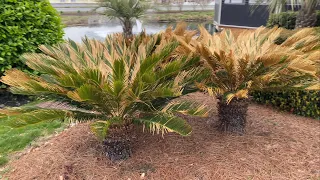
pixel 164 123
pixel 124 8
pixel 17 119
pixel 100 129
pixel 186 108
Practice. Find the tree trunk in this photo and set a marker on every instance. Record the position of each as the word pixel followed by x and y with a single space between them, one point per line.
pixel 127 29
pixel 307 16
pixel 118 144
pixel 232 116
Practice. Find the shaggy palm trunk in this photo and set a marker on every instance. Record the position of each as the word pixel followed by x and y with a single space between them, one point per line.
pixel 306 17
pixel 117 144
pixel 232 116
pixel 127 29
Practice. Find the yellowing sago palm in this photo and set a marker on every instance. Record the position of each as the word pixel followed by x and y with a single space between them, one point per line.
pixel 252 61
pixel 111 83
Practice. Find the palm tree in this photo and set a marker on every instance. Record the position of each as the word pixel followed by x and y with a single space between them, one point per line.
pixel 306 16
pixel 278 6
pixel 111 83
pixel 125 11
pixel 252 61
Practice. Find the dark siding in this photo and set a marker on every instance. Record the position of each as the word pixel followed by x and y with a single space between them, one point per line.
pixel 243 15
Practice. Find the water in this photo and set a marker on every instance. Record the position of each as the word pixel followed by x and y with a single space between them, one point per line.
pixel 100 32
pixel 139 25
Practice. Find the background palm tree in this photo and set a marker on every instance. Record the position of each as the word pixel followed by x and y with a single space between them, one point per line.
pixel 307 14
pixel 125 11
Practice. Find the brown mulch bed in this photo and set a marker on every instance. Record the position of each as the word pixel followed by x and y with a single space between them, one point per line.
pixel 277 146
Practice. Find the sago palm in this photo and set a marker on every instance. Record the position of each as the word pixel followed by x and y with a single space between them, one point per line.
pixel 252 61
pixel 125 11
pixel 111 83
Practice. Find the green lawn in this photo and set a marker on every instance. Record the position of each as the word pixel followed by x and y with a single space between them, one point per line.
pixel 15 139
pixel 181 16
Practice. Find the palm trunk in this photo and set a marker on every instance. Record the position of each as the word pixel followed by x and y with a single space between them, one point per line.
pixel 127 29
pixel 117 144
pixel 232 116
pixel 307 16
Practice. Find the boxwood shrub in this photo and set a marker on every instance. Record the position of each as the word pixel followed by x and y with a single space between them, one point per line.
pixel 286 20
pixel 305 103
pixel 24 25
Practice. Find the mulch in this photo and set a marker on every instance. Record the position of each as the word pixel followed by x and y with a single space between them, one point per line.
pixel 277 145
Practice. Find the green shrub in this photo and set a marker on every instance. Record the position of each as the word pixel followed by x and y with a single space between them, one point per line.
pixel 286 20
pixel 24 25
pixel 305 103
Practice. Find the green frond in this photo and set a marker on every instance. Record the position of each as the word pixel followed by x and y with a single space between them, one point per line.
pixel 119 70
pixel 165 90
pixel 164 123
pixel 186 108
pixel 118 88
pixel 87 92
pixel 169 69
pixel 93 76
pixel 71 80
pixel 124 8
pixel 151 61
pixel 79 113
pixel 100 129
pixel 22 119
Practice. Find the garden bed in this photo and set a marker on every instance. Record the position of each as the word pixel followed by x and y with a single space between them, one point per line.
pixel 277 145
pixel 12 100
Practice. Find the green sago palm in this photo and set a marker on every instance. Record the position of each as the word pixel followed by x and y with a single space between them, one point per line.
pixel 111 83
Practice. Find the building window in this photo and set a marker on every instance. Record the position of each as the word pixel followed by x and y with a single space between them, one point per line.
pixel 73 0
pixel 234 1
pixel 62 1
pixel 258 1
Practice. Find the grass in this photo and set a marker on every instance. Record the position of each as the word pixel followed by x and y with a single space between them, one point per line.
pixel 71 19
pixel 181 16
pixel 15 139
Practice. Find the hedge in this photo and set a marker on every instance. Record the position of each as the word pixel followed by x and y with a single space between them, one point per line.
pixel 286 20
pixel 305 103
pixel 24 25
